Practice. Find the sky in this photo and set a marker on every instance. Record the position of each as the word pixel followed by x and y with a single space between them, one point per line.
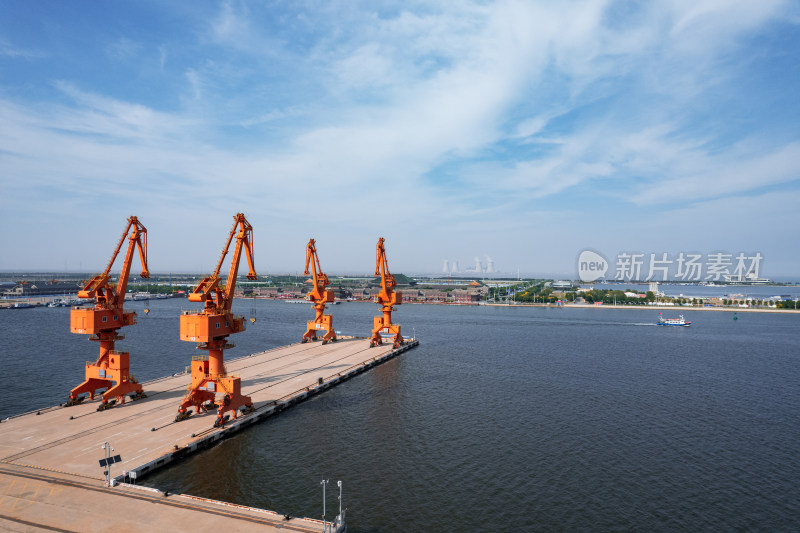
pixel 521 131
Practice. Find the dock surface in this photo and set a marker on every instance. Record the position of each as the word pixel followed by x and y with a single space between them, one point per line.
pixel 33 500
pixel 64 443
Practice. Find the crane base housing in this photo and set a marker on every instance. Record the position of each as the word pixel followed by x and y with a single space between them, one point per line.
pixel 325 324
pixel 224 391
pixel 380 329
pixel 111 373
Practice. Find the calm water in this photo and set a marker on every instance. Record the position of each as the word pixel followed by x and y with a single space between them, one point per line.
pixel 503 419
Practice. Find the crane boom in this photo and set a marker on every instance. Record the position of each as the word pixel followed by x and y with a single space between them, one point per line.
pixel 382 270
pixel 112 369
pixel 319 297
pixel 244 240
pixel 100 287
pixel 209 290
pixel 137 240
pixel 211 327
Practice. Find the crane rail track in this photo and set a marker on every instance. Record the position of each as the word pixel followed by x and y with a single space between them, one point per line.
pixel 160 500
pixel 146 412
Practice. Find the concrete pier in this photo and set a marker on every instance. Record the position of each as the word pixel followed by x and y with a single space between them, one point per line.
pixel 63 444
pixel 35 500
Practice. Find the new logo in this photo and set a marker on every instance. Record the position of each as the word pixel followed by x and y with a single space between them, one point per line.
pixel 591 266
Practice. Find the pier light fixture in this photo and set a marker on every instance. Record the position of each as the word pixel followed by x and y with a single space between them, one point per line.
pixel 339 483
pixel 108 460
pixel 324 484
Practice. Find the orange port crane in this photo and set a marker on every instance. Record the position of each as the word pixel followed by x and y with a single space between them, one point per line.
pixel 211 387
pixel 388 298
pixel 319 297
pixel 112 369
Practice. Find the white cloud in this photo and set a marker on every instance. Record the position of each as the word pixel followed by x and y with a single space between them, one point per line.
pixel 366 67
pixel 162 57
pixel 316 119
pixel 14 52
pixel 738 170
pixel 123 49
pixel 717 21
pixel 195 84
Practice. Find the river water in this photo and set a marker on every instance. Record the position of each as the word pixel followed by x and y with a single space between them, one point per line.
pixel 502 419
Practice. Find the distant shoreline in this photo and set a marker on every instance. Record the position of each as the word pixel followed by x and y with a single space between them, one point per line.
pixel 41 300
pixel 676 308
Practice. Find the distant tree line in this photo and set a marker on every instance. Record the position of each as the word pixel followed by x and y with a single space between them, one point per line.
pixel 617 296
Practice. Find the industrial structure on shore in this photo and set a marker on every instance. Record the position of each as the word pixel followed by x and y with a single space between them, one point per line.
pixel 451 267
pixel 111 371
pixel 318 296
pixel 212 388
pixel 42 446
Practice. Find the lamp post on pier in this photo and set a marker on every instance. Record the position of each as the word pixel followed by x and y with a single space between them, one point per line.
pixel 108 460
pixel 324 484
pixel 340 499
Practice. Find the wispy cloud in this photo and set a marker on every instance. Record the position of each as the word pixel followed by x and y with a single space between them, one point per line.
pixel 696 175
pixel 7 50
pixel 123 49
pixel 456 119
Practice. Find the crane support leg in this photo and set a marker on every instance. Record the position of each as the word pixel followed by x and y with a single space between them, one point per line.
pixel 91 385
pixel 212 389
pixel 321 323
pixel 112 372
pixel 382 326
pixel 232 400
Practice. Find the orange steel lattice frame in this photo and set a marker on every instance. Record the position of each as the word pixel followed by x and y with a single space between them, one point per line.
pixel 111 371
pixel 211 387
pixel 319 297
pixel 388 298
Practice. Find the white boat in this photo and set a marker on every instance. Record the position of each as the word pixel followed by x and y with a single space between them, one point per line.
pixel 680 321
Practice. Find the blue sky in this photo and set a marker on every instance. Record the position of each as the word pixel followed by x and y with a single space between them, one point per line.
pixel 522 131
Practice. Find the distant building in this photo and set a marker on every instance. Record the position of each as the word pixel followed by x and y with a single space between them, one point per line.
pixel 635 295
pixel 751 278
pixel 411 296
pixel 490 265
pixel 653 287
pixel 464 296
pixel 41 288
